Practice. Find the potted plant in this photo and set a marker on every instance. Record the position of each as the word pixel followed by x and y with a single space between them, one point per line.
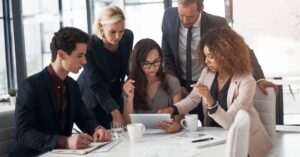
pixel 12 95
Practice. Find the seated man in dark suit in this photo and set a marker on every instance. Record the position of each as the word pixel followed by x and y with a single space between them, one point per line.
pixel 49 102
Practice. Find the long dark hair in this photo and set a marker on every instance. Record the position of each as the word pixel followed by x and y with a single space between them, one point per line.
pixel 139 55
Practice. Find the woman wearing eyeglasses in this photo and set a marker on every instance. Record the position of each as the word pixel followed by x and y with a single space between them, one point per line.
pixel 107 63
pixel 150 88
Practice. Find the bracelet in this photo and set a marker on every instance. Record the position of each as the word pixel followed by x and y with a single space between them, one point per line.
pixel 99 127
pixel 213 105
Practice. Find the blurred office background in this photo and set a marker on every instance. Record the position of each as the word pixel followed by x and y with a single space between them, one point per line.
pixel 270 27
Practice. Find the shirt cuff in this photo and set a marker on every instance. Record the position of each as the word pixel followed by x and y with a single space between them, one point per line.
pixel 175 110
pixel 260 80
pixel 62 142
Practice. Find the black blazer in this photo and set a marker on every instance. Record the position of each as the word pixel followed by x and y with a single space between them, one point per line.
pixel 95 79
pixel 170 36
pixel 37 126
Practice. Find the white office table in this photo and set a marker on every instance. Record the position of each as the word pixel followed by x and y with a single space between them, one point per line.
pixel 160 145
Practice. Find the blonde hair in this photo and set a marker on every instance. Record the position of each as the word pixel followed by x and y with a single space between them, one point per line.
pixel 109 15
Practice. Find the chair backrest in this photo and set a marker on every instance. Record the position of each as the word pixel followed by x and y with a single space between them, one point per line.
pixel 7 131
pixel 238 136
pixel 266 107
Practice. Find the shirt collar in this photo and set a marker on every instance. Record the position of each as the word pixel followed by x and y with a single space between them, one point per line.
pixel 54 76
pixel 197 23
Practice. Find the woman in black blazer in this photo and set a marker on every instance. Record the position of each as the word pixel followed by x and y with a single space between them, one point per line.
pixel 107 61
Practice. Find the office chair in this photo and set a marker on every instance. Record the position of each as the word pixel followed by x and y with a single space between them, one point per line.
pixel 238 136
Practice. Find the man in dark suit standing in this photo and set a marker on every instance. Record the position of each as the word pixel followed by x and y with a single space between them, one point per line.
pixel 182 28
pixel 49 102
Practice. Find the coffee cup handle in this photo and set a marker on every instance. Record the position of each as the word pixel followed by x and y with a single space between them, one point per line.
pixel 182 122
pixel 143 128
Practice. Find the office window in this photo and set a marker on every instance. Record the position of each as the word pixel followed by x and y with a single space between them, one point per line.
pixel 96 7
pixel 74 14
pixel 215 7
pixel 3 74
pixel 273 31
pixel 144 18
pixel 40 22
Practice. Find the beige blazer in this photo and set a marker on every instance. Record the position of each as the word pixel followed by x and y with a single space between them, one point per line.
pixel 240 96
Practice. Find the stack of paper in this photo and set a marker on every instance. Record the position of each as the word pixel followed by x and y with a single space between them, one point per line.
pixel 93 146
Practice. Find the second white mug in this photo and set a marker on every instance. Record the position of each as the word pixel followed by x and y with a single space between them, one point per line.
pixel 135 132
pixel 190 122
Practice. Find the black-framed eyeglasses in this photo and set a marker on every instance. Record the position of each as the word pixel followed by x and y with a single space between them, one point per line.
pixel 147 65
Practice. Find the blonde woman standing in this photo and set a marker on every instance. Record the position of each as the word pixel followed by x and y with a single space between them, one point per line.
pixel 107 61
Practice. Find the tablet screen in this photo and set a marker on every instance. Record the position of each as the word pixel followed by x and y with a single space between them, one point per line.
pixel 149 120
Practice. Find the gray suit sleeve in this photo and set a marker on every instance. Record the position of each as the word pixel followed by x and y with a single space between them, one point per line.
pixel 257 71
pixel 169 60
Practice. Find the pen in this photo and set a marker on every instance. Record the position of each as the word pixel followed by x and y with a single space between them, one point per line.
pixel 204 139
pixel 77 131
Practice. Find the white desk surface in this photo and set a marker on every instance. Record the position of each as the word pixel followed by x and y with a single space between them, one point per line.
pixel 159 146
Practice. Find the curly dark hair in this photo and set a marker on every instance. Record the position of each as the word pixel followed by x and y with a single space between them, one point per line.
pixel 139 55
pixel 66 39
pixel 228 48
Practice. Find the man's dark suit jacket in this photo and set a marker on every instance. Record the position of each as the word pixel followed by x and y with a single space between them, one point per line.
pixel 170 37
pixel 37 125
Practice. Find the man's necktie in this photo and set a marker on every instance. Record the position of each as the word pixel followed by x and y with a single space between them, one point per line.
pixel 189 57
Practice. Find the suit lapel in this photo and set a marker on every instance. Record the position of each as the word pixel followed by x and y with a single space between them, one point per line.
pixel 71 102
pixel 232 89
pixel 176 38
pixel 49 87
pixel 203 24
pixel 208 80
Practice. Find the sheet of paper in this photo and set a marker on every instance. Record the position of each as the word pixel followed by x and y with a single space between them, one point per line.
pixel 108 147
pixel 92 146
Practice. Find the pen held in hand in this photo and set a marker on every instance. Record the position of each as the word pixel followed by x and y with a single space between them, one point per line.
pixel 202 140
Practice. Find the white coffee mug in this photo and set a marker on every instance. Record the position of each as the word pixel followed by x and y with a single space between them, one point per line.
pixel 135 132
pixel 190 122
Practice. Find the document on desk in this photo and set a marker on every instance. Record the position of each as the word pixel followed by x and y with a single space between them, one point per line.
pixel 200 140
pixel 108 146
pixel 92 146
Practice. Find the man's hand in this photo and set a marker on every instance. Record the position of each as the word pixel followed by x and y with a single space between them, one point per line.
pixel 79 141
pixel 263 84
pixel 101 135
pixel 169 110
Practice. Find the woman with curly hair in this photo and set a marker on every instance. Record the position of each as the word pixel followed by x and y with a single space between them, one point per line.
pixel 225 86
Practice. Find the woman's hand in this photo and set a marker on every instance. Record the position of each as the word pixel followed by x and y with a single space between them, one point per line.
pixel 128 88
pixel 169 127
pixel 169 110
pixel 204 92
pixel 117 116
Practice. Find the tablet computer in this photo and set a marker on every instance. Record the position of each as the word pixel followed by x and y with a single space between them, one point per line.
pixel 149 120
